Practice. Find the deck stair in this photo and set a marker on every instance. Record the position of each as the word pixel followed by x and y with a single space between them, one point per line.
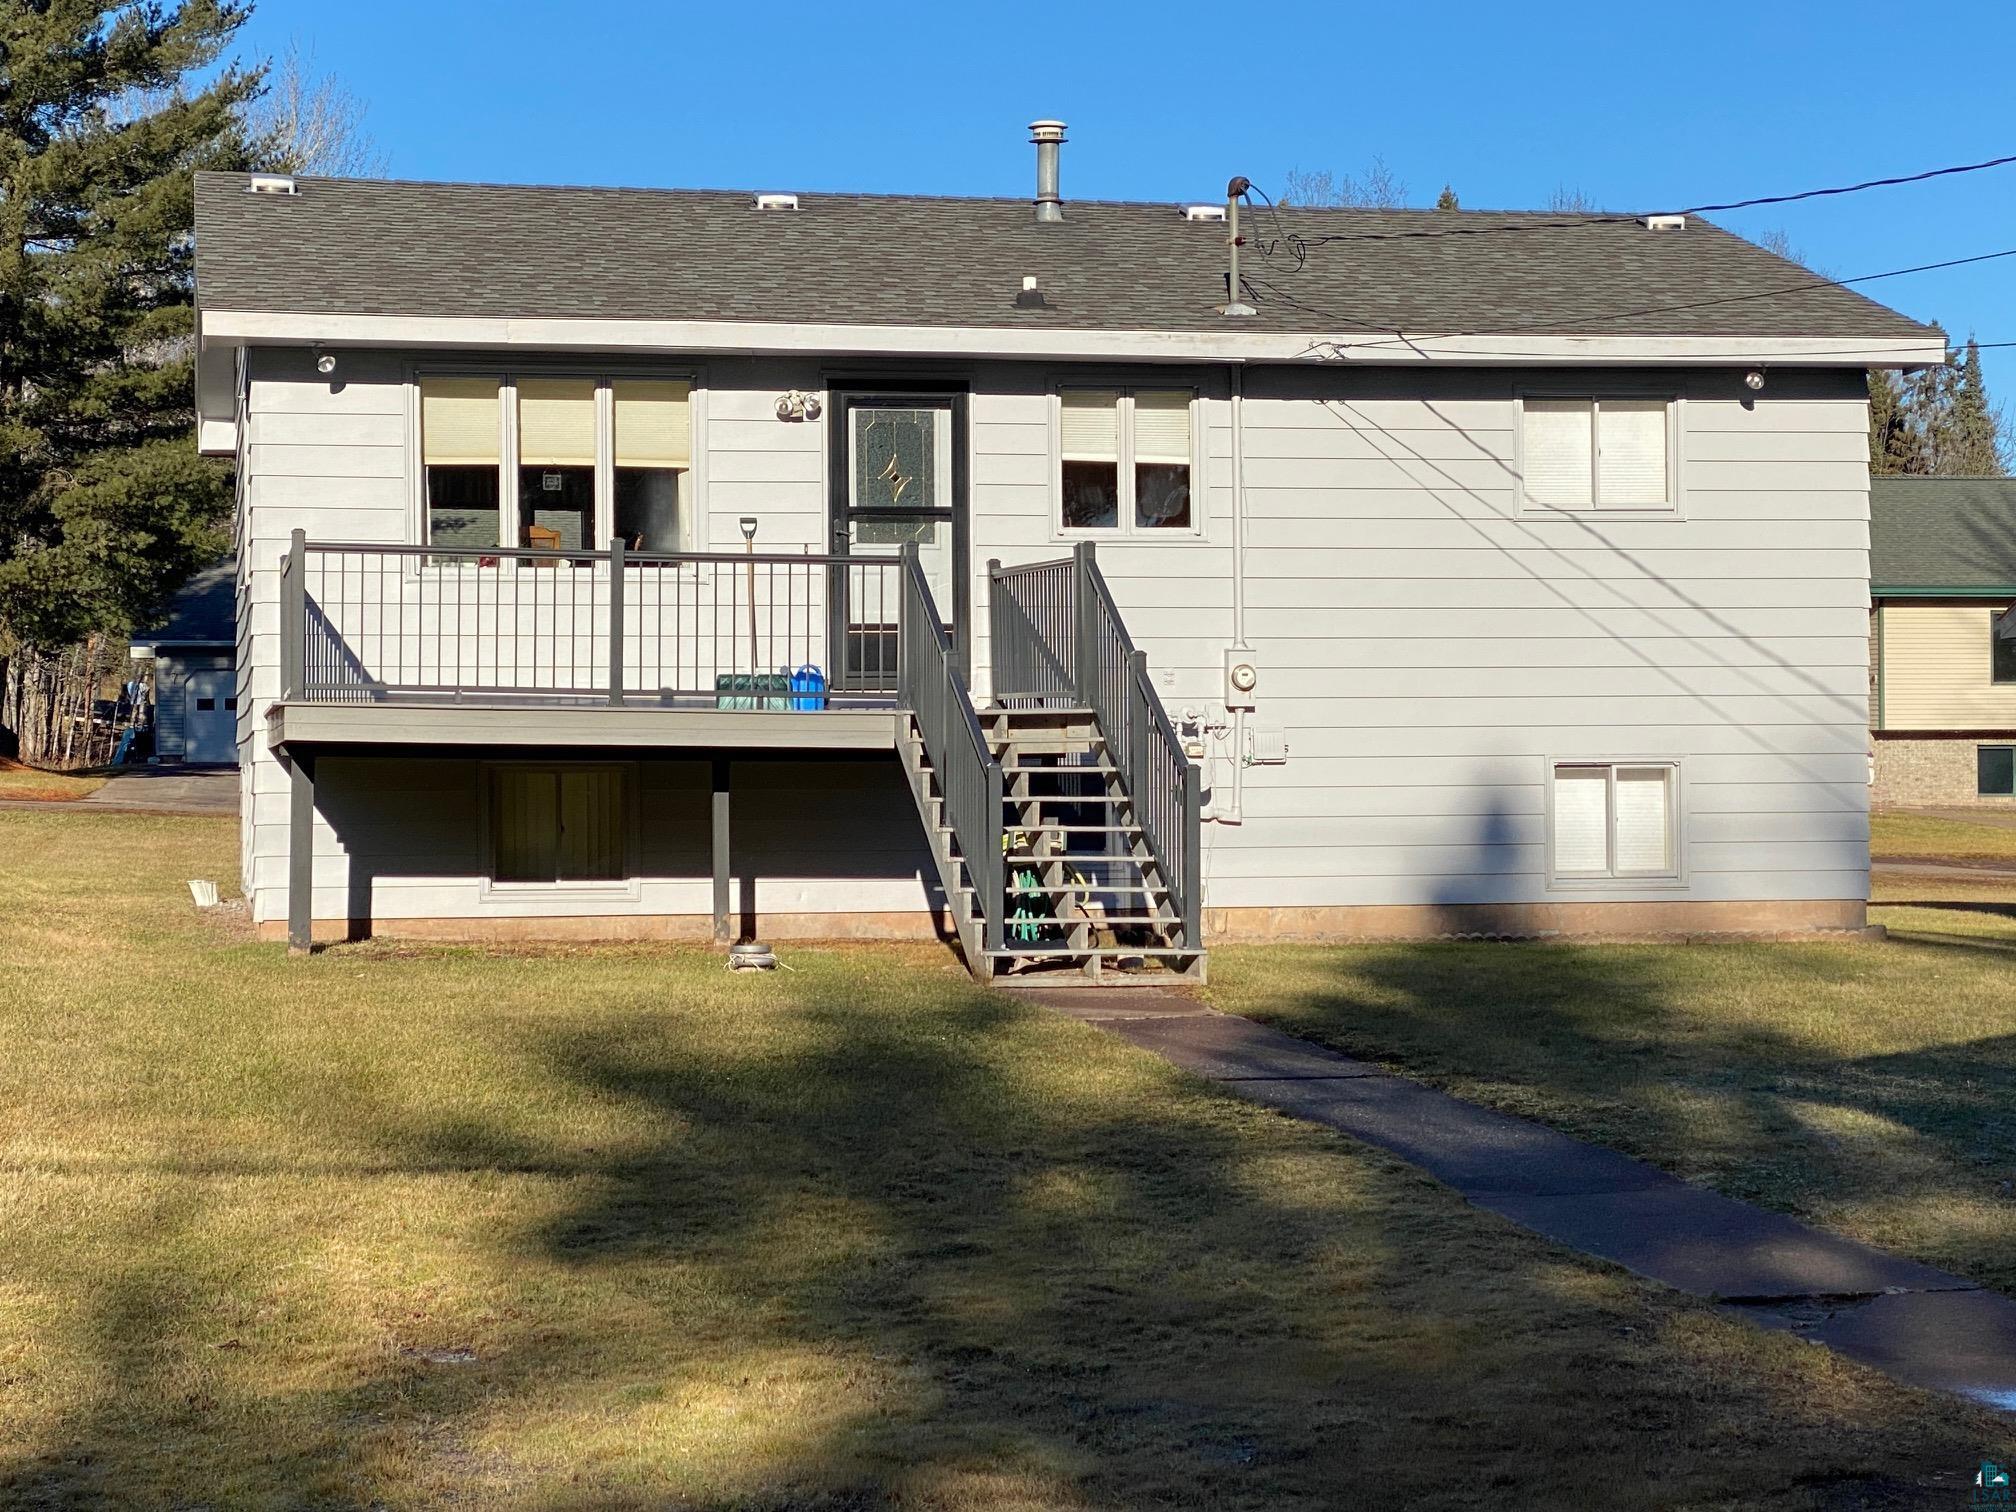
pixel 1064 827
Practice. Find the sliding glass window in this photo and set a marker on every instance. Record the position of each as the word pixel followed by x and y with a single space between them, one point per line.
pixel 461 447
pixel 653 447
pixel 556 463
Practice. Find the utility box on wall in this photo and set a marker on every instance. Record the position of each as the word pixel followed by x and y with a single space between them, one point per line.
pixel 1242 678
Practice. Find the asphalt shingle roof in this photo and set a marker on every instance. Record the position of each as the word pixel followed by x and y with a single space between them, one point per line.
pixel 367 247
pixel 203 613
pixel 1942 533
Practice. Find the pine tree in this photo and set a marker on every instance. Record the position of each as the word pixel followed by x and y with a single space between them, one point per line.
pixel 105 508
pixel 1889 438
pixel 1972 446
pixel 1447 200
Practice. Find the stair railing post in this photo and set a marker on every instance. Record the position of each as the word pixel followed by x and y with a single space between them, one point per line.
pixel 909 676
pixel 616 621
pixel 294 617
pixel 1083 653
pixel 1136 718
pixel 995 866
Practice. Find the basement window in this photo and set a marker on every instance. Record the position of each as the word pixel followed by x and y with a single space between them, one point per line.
pixel 1613 820
pixel 1602 454
pixel 556 824
pixel 1125 459
pixel 1995 771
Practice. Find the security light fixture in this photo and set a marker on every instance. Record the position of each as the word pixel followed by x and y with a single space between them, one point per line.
pixel 1754 379
pixel 325 362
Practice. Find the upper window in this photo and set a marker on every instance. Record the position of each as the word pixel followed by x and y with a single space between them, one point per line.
pixel 585 461
pixel 1614 821
pixel 1602 453
pixel 2001 653
pixel 1125 459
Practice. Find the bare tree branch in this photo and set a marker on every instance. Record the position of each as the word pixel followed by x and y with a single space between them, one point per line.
pixel 307 122
pixel 1379 189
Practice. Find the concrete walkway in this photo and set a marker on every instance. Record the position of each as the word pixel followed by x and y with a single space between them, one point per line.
pixel 1921 1325
pixel 154 790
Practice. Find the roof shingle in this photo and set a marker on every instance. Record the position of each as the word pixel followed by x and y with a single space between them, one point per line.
pixel 1932 533
pixel 366 247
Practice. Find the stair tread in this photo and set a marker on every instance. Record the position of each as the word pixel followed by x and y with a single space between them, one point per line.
pixel 1068 952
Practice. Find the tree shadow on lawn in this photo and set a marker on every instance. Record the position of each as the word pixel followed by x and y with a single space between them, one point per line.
pixel 1678 1054
pixel 956 1252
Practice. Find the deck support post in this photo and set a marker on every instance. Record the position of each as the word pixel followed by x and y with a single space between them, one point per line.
pixel 301 855
pixel 722 935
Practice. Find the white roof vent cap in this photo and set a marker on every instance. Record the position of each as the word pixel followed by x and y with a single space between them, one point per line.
pixel 1203 212
pixel 271 183
pixel 776 202
pixel 1665 223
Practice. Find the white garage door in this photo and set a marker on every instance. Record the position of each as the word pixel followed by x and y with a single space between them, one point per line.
pixel 210 716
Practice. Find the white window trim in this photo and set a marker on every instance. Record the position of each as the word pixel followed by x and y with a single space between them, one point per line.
pixel 630 889
pixel 1675 507
pixel 692 486
pixel 1612 881
pixel 1127 529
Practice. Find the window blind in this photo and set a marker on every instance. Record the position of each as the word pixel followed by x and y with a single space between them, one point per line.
pixel 558 826
pixel 1644 819
pixel 526 824
pixel 1161 426
pixel 654 422
pixel 1559 452
pixel 459 422
pixel 1581 819
pixel 1091 425
pixel 1632 449
pixel 556 422
pixel 591 826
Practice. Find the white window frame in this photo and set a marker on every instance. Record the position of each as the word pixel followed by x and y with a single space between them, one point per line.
pixel 604 378
pixel 1611 879
pixel 1674 506
pixel 629 889
pixel 1127 528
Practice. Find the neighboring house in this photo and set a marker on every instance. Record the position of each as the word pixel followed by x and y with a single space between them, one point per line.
pixel 1557 624
pixel 195 670
pixel 1942 569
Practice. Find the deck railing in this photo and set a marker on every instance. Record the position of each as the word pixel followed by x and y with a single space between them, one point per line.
pixel 932 687
pixel 368 623
pixel 1057 639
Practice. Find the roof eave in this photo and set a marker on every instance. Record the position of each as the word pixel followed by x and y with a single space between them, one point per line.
pixel 224 328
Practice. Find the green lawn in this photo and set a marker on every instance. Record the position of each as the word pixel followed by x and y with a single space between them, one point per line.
pixel 1933 837
pixel 1869 1086
pixel 412 1227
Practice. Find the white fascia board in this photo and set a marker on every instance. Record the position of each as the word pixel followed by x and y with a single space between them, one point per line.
pixel 216 398
pixel 258 328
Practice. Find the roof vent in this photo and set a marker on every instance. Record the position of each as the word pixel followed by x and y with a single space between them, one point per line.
pixel 1204 213
pixel 1665 223
pixel 271 183
pixel 1029 297
pixel 776 202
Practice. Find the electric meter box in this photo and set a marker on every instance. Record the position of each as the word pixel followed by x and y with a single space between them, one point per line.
pixel 1242 678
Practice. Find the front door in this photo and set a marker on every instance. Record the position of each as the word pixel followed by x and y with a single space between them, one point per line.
pixel 898 477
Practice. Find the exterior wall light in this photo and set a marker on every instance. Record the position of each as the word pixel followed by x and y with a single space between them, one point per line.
pixel 1754 379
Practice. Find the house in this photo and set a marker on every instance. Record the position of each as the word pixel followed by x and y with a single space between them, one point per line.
pixel 625 563
pixel 194 652
pixel 1942 568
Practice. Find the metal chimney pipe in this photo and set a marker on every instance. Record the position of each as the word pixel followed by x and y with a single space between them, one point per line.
pixel 1048 137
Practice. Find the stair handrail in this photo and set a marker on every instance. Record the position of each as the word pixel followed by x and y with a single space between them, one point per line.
pixel 1056 635
pixel 933 689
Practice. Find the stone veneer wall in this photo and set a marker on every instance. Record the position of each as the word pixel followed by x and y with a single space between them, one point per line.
pixel 1920 770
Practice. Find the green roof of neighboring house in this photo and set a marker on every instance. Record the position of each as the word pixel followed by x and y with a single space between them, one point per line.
pixel 1942 536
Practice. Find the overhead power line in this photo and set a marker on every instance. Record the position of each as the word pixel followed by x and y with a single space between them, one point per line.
pixel 1298 246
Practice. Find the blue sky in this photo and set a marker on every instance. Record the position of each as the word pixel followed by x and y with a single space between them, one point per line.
pixel 1639 107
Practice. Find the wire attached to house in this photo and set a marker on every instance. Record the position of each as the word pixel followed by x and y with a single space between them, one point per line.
pixel 1298 246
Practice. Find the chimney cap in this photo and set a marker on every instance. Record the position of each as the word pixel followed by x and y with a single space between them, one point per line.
pixel 1046 131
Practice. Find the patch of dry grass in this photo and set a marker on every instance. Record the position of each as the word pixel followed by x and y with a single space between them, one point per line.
pixel 1931 837
pixel 1868 1086
pixel 611 1228
pixel 18 781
